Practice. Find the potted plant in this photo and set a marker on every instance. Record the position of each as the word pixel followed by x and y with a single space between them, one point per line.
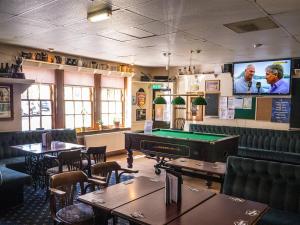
pixel 100 124
pixel 116 123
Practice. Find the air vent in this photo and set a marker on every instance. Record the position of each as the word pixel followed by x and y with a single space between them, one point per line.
pixel 263 23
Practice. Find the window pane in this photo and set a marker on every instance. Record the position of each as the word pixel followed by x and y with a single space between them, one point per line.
pixel 46 122
pixel 68 93
pixel 112 107
pixel 33 91
pixel 78 107
pixel 78 121
pixel 86 93
pixel 111 118
pixel 104 94
pixel 118 107
pixel 87 121
pixel 70 122
pixel 110 94
pixel 87 107
pixel 118 94
pixel 45 91
pixel 105 119
pixel 69 107
pixel 24 95
pixel 35 123
pixel 76 93
pixel 46 108
pixel 119 117
pixel 25 108
pixel 25 123
pixel 34 108
pixel 104 107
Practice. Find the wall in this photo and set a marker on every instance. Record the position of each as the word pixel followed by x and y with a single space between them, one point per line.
pixel 184 83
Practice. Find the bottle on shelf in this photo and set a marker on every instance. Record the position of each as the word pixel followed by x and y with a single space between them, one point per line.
pixel 2 68
pixel 6 68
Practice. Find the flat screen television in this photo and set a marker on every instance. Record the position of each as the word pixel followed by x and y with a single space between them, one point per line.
pixel 268 77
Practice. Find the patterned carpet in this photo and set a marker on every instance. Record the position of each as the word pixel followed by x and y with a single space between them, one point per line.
pixel 35 210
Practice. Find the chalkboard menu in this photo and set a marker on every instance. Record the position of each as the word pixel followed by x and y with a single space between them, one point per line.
pixel 281 110
pixel 212 107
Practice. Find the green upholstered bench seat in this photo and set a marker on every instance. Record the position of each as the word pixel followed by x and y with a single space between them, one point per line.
pixel 11 186
pixel 279 217
pixel 273 183
pixel 254 142
pixel 12 160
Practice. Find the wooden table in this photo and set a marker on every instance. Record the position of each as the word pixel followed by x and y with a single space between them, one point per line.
pixel 120 194
pixel 34 153
pixel 223 210
pixel 195 168
pixel 155 211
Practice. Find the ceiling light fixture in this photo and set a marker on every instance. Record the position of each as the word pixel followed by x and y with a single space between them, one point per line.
pixel 257 45
pixel 99 15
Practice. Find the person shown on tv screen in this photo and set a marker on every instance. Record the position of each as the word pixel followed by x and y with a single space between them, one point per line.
pixel 274 77
pixel 245 84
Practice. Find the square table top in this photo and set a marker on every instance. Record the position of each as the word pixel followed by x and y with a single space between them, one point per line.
pixel 223 210
pixel 156 212
pixel 37 148
pixel 218 168
pixel 122 193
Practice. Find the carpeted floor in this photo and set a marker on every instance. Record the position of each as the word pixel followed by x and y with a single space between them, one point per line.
pixel 35 210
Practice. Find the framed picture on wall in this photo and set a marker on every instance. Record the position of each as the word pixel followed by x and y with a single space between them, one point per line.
pixel 140 114
pixel 212 85
pixel 6 102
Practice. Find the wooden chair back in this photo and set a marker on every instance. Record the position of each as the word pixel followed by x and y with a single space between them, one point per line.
pixel 97 153
pixel 70 159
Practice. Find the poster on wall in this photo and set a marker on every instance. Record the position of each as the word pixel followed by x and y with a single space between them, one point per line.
pixel 140 114
pixel 281 110
pixel 141 98
pixel 6 102
pixel 226 108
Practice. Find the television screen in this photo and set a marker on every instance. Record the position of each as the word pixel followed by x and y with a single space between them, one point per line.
pixel 270 77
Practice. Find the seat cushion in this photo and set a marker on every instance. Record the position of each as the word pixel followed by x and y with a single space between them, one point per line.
pixel 11 178
pixel 12 160
pixel 76 213
pixel 279 217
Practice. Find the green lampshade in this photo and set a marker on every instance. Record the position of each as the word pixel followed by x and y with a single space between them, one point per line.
pixel 159 101
pixel 178 101
pixel 199 101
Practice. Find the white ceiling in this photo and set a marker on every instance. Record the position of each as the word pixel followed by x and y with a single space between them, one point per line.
pixel 141 30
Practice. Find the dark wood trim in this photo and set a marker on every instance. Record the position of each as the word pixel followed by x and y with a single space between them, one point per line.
pixel 97 100
pixel 60 99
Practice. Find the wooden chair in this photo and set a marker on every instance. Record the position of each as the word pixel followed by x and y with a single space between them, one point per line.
pixel 92 156
pixel 179 123
pixel 102 171
pixel 63 190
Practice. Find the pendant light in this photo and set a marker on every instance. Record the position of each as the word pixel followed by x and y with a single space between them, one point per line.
pixel 199 101
pixel 178 101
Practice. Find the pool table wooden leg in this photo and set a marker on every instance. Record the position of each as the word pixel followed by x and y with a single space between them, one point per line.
pixel 129 158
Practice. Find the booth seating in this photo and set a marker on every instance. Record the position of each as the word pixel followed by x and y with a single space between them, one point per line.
pixel 275 145
pixel 14 159
pixel 273 183
pixel 11 187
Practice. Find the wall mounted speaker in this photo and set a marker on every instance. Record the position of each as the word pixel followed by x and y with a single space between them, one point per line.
pixel 227 68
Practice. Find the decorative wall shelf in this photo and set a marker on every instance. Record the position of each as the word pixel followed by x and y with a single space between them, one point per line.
pixel 21 84
pixel 48 65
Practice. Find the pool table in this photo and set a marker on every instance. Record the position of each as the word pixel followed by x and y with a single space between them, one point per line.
pixel 174 143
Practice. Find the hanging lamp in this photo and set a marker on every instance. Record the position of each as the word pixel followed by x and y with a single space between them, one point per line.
pixel 199 101
pixel 178 101
pixel 159 101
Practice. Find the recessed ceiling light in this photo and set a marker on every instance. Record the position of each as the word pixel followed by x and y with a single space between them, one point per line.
pixel 99 15
pixel 257 45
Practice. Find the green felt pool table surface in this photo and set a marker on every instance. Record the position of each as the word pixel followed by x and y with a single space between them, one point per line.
pixel 187 135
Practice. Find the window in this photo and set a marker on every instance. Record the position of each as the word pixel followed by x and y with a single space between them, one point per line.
pixel 111 105
pixel 36 107
pixel 78 106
